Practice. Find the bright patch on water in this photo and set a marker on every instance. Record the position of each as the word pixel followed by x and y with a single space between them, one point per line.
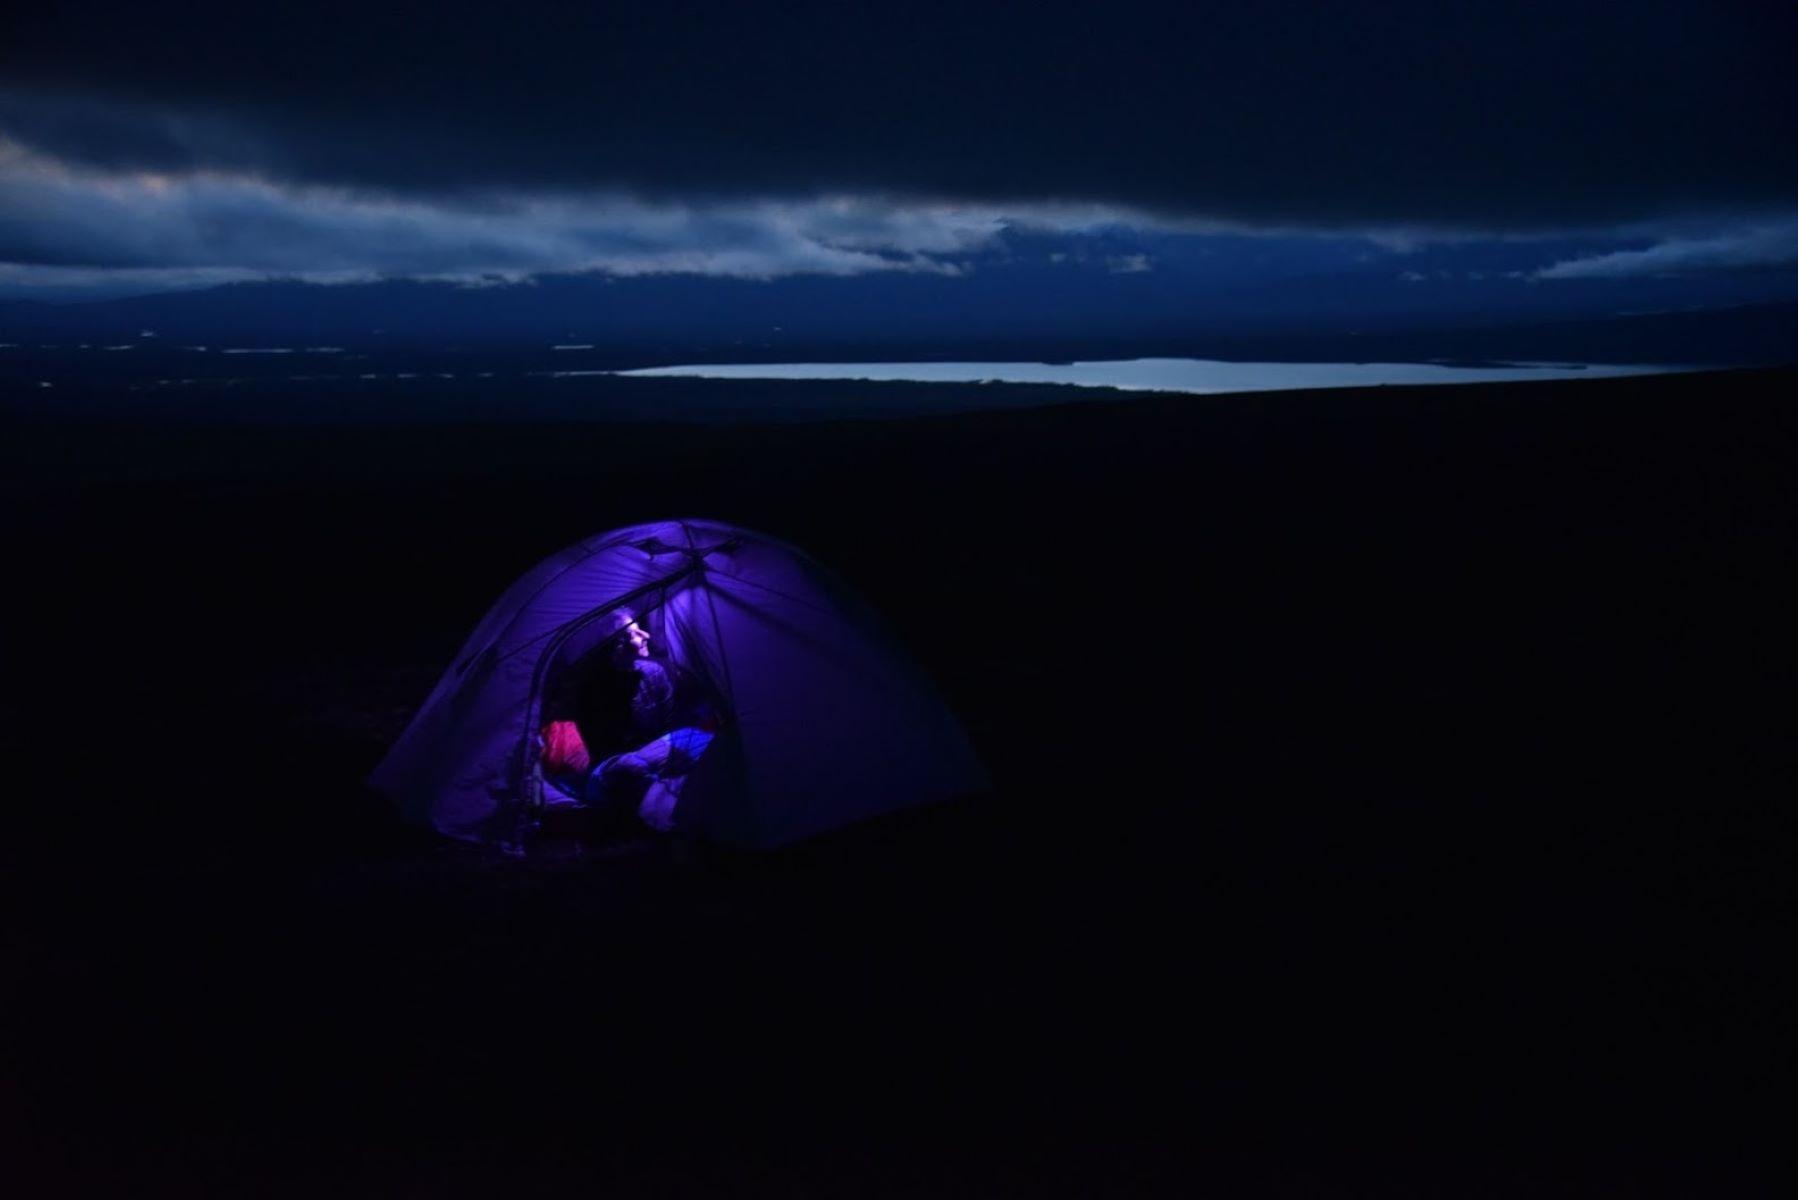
pixel 1194 375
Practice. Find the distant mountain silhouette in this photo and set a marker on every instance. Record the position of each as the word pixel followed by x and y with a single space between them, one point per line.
pixel 1018 311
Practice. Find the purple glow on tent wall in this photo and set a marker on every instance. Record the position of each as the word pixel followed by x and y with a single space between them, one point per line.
pixel 825 721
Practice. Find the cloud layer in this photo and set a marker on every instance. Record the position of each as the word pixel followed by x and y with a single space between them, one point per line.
pixel 1757 244
pixel 62 225
pixel 70 231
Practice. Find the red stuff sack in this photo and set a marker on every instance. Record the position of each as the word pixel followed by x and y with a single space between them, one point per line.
pixel 563 751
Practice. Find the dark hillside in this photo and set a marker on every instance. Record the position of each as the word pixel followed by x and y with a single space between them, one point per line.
pixel 1393 794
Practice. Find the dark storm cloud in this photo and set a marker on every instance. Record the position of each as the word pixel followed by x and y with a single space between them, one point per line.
pixel 1486 115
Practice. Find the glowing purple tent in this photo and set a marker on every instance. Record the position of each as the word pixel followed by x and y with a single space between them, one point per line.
pixel 825 721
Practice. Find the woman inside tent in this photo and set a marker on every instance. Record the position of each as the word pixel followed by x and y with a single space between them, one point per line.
pixel 637 716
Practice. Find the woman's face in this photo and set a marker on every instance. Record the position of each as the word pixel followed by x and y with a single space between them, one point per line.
pixel 633 642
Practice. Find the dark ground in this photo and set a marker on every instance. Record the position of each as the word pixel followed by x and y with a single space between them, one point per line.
pixel 1394 801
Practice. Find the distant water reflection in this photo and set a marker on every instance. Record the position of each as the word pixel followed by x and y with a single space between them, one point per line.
pixel 1163 374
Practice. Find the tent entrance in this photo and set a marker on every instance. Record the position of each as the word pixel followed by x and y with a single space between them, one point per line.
pixel 576 673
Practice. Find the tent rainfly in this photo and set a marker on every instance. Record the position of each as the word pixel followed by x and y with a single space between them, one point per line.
pixel 825 721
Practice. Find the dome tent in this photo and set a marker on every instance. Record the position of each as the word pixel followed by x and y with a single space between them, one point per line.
pixel 825 720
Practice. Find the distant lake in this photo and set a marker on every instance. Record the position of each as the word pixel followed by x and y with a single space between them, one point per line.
pixel 1161 374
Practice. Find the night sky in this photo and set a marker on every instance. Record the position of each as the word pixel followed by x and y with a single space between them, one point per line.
pixel 1592 156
